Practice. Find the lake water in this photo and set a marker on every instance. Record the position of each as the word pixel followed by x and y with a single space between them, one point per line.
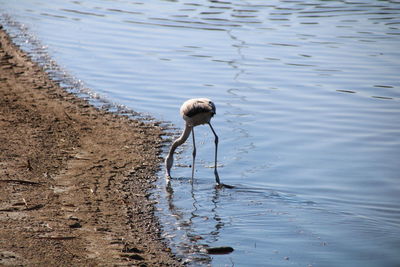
pixel 308 115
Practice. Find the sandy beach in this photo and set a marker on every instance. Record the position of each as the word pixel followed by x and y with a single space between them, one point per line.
pixel 74 180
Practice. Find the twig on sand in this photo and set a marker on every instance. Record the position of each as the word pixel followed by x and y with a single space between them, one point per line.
pixel 24 182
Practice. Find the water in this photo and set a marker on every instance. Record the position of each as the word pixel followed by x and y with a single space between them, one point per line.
pixel 308 114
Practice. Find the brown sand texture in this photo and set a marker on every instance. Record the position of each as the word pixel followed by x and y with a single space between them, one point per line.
pixel 74 180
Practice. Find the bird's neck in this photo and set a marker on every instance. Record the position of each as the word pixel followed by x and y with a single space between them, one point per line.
pixel 169 161
pixel 181 139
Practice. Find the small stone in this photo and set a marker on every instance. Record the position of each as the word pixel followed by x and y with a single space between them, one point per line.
pixel 219 250
pixel 75 225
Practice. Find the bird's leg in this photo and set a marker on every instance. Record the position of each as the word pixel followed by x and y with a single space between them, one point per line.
pixel 194 153
pixel 216 152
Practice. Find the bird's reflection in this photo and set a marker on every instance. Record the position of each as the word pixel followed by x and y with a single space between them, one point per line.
pixel 196 243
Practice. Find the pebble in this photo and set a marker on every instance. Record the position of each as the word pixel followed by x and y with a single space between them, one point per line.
pixel 219 250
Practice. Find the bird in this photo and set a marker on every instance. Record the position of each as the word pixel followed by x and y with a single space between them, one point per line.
pixel 196 111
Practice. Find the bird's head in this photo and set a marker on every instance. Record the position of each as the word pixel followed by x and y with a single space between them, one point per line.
pixel 212 107
pixel 169 161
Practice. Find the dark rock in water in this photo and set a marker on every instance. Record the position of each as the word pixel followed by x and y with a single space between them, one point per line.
pixel 219 250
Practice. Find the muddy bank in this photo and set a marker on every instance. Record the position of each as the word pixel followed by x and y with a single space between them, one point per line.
pixel 74 180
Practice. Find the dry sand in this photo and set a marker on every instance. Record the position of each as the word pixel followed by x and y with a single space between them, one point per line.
pixel 74 180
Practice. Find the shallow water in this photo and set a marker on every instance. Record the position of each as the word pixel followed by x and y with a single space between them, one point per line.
pixel 308 115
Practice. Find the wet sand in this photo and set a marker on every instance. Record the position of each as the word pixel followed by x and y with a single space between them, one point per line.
pixel 74 180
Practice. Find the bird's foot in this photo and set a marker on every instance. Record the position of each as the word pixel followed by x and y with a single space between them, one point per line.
pixel 221 186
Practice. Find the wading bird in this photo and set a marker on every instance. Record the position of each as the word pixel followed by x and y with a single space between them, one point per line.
pixel 195 112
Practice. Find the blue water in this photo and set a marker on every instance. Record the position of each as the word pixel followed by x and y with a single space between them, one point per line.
pixel 308 115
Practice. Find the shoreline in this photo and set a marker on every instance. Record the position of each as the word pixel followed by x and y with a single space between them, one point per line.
pixel 74 180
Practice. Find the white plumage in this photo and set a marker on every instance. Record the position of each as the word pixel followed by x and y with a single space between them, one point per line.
pixel 195 112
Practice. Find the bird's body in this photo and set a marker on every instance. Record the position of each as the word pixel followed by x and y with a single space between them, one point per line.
pixel 195 112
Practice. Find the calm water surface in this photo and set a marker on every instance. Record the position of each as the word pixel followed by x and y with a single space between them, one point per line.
pixel 308 114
